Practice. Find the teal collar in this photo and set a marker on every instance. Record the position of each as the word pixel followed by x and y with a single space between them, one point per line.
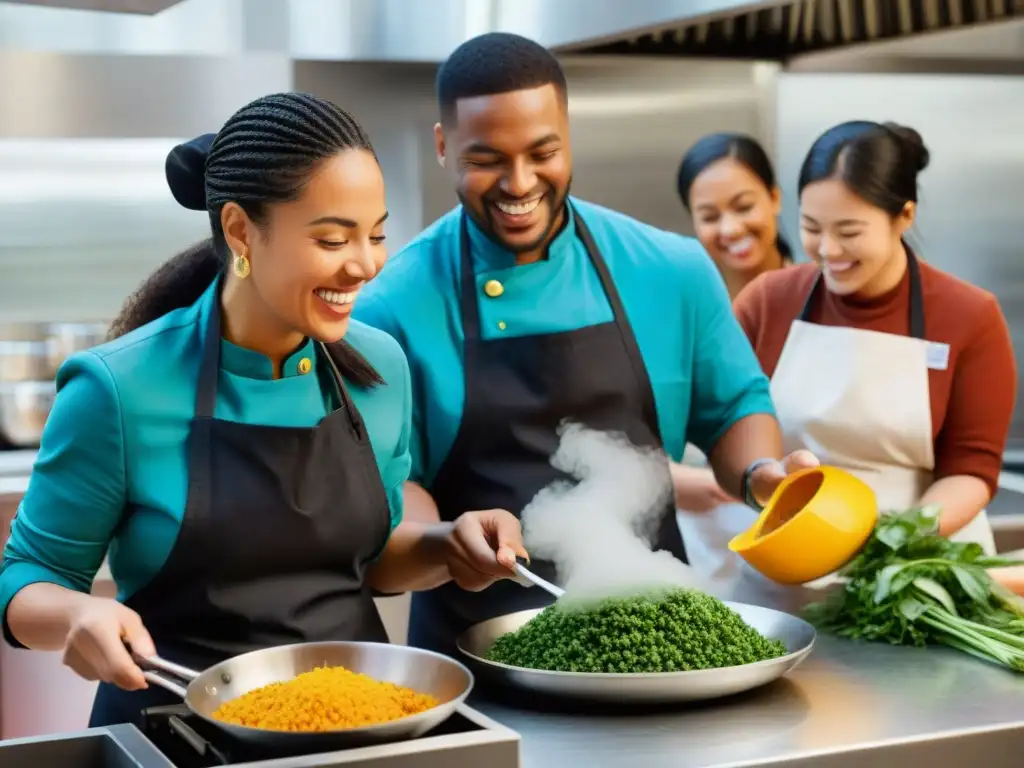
pixel 487 254
pixel 247 363
pixel 254 365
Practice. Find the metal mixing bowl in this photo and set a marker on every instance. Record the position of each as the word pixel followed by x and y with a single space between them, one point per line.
pixel 24 408
pixel 68 338
pixel 26 361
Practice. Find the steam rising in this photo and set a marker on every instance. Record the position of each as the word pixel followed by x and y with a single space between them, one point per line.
pixel 596 531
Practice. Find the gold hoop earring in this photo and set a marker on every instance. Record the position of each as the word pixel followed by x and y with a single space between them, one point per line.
pixel 240 265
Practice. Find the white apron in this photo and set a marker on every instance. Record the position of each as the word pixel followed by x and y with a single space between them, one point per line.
pixel 706 536
pixel 858 400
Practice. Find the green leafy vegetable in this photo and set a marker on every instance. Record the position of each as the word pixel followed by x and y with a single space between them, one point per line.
pixel 673 631
pixel 910 586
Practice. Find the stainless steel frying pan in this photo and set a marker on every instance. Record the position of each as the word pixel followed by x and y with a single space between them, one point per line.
pixel 423 671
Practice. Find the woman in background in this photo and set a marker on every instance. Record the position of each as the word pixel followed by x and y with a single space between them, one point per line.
pixel 727 183
pixel 240 446
pixel 880 363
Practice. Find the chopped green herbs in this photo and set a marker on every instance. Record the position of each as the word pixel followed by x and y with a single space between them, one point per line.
pixel 676 631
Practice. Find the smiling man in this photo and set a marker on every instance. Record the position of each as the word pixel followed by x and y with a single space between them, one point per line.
pixel 524 307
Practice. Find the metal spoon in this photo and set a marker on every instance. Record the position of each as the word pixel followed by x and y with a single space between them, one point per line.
pixel 528 578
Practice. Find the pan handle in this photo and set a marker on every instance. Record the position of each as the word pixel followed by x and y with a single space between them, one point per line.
pixel 153 666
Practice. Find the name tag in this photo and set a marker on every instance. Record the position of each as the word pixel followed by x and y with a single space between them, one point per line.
pixel 937 356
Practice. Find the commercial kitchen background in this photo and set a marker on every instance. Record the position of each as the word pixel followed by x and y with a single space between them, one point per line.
pixel 91 102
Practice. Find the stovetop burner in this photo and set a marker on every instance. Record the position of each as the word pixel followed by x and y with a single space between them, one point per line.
pixel 190 742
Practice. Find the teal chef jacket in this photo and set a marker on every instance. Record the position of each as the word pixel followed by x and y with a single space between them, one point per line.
pixel 703 371
pixel 117 432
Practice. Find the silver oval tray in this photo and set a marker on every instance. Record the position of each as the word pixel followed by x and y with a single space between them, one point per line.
pixel 644 688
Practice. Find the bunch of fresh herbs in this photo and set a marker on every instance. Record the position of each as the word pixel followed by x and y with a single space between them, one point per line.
pixel 910 586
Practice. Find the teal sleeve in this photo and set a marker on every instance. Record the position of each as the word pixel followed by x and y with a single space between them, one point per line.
pixel 76 494
pixel 375 312
pixel 728 383
pixel 396 471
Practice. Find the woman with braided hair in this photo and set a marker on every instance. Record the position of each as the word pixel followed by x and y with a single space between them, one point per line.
pixel 240 444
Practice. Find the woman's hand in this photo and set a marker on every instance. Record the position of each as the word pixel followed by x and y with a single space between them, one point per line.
pixel 697 490
pixel 95 647
pixel 767 477
pixel 482 548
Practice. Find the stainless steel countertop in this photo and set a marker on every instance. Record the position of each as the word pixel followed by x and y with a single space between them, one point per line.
pixel 850 704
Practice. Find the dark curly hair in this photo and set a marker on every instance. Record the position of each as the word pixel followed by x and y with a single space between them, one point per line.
pixel 263 155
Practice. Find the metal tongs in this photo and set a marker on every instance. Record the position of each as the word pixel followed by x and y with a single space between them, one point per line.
pixel 528 578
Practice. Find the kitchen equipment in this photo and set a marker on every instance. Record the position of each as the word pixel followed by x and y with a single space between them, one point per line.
pixel 24 331
pixel 174 737
pixel 68 338
pixel 25 360
pixel 642 688
pixel 528 578
pixel 467 739
pixel 120 746
pixel 24 408
pixel 423 671
pixel 814 523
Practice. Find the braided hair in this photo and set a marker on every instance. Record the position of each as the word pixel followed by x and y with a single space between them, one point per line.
pixel 263 155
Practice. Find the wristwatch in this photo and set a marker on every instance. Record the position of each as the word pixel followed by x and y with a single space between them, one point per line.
pixel 748 495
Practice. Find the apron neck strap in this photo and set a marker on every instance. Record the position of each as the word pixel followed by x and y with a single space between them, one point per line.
pixel 467 284
pixel 209 368
pixel 916 310
pixel 327 352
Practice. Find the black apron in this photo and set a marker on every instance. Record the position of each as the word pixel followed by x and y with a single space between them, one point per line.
pixel 279 527
pixel 518 390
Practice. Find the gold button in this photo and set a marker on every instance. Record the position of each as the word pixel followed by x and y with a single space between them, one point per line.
pixel 493 288
pixel 501 325
pixel 305 365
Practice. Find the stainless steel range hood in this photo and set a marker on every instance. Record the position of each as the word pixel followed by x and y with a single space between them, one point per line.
pixel 113 6
pixel 782 30
pixel 340 30
pixel 428 30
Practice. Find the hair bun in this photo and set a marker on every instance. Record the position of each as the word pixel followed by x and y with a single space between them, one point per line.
pixel 912 142
pixel 186 172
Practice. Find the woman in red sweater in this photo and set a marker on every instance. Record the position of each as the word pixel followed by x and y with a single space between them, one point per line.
pixel 881 363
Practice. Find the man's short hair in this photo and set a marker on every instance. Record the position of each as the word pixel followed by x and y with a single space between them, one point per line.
pixel 493 63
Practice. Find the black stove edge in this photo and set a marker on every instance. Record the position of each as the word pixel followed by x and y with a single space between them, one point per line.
pixel 129 739
pixel 143 754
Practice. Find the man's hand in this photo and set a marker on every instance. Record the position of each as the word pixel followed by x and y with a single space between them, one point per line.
pixel 482 548
pixel 766 478
pixel 696 489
